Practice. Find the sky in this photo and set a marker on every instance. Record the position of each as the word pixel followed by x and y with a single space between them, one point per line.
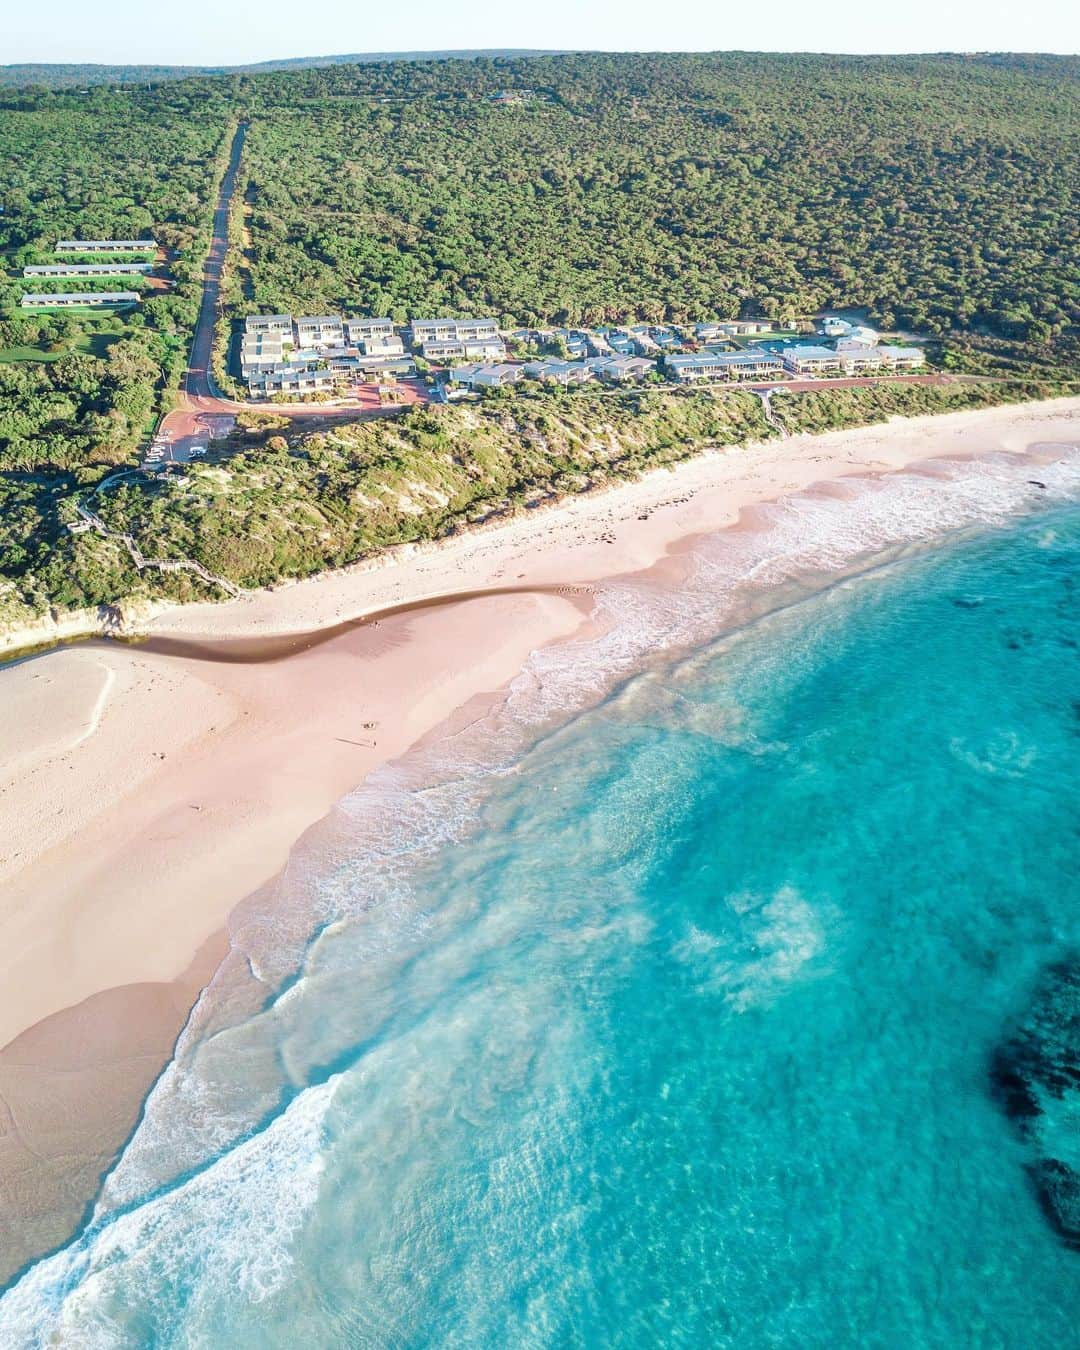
pixel 230 32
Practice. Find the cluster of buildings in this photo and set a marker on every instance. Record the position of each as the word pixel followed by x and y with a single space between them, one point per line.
pixel 614 369
pixel 91 299
pixel 281 354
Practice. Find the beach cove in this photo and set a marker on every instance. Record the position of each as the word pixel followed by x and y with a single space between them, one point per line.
pixel 149 791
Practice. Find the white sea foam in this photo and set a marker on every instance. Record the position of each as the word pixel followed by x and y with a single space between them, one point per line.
pixel 772 940
pixel 248 1036
pixel 241 1215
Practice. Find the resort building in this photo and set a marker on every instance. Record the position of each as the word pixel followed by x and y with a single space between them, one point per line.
pixel 358 331
pixel 746 365
pixel 79 298
pixel 835 327
pixel 113 269
pixel 471 349
pixel 289 379
pixel 380 344
pixel 424 331
pixel 809 360
pixel 861 360
pixel 386 365
pixel 261 350
pixel 621 369
pixel 106 245
pixel 902 357
pixel 722 328
pixel 269 323
pixel 858 338
pixel 325 330
pixel 559 372
pixel 487 376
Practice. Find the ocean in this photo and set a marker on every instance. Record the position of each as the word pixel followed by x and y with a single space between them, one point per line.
pixel 660 1001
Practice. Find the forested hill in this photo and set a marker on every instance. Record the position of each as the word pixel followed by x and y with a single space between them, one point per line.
pixel 59 76
pixel 939 192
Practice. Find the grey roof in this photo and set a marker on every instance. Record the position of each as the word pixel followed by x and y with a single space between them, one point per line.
pixel 83 298
pixel 254 321
pixel 419 324
pixel 811 353
pixel 103 244
pixel 86 269
pixel 746 358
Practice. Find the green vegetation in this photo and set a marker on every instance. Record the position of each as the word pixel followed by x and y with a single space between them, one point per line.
pixel 935 194
pixel 261 509
pixel 101 165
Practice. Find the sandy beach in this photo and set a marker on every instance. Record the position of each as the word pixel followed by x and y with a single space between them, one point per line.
pixel 143 794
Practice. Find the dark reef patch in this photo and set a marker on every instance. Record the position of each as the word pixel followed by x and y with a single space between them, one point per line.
pixel 1035 1076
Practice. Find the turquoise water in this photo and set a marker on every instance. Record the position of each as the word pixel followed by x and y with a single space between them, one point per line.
pixel 670 1027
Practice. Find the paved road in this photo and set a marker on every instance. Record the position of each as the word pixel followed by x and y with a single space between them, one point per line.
pixel 198 382
pixel 203 411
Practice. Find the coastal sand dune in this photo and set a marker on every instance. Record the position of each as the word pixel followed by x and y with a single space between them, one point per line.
pixel 145 792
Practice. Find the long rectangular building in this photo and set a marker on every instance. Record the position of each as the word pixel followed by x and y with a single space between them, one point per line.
pixel 269 323
pixel 77 298
pixel 745 365
pixel 453 330
pixel 106 245
pixel 114 269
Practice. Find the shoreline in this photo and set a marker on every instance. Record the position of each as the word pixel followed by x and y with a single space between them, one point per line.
pixel 328 592
pixel 150 793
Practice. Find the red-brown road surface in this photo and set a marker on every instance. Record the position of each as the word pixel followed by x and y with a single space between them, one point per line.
pixel 203 411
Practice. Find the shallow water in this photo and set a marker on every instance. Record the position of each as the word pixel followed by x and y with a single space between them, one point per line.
pixel 672 1024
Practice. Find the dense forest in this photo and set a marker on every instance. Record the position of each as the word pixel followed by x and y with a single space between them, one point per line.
pixel 938 192
pixel 80 389
pixel 934 193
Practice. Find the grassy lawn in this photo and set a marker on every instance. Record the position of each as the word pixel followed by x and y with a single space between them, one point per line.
pixel 91 344
pixel 75 309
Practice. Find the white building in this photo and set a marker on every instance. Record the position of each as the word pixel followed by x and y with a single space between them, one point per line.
pixel 559 372
pixel 113 269
pixel 359 331
pixel 76 298
pixel 106 245
pixel 261 350
pixel 468 349
pixel 902 357
pixel 858 338
pixel 621 369
pixel 745 365
pixel 381 344
pixel 811 360
pixel 452 330
pixel 289 379
pixel 324 330
pixel 487 376
pixel 269 323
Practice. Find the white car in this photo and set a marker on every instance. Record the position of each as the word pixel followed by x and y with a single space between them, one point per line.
pixel 197 450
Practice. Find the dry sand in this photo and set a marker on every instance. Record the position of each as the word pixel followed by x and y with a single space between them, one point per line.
pixel 142 795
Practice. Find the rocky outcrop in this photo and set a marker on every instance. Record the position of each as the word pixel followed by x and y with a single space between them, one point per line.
pixel 1036 1078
